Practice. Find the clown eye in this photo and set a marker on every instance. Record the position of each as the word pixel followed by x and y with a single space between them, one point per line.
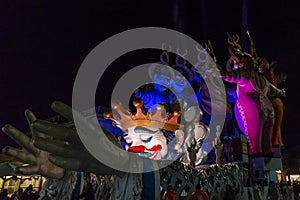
pixel 146 139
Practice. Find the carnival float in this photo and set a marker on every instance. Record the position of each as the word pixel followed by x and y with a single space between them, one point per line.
pixel 176 152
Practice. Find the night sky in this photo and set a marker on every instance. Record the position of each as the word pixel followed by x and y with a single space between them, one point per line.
pixel 43 43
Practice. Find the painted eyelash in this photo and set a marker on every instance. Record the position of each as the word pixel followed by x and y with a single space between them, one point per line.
pixel 147 140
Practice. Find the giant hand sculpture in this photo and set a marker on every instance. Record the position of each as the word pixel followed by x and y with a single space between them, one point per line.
pixel 60 149
pixel 36 158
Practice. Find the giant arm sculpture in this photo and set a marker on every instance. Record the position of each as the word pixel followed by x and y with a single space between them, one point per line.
pixel 55 147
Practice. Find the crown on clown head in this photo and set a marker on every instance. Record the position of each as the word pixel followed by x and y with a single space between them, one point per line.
pixel 168 122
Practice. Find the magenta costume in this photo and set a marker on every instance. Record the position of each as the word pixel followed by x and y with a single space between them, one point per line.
pixel 254 111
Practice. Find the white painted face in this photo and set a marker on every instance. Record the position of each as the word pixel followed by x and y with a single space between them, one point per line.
pixel 146 141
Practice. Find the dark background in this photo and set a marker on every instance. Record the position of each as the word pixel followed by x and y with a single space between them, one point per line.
pixel 43 43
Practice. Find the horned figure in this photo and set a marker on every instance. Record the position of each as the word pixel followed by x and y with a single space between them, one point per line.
pixel 253 109
pixel 268 70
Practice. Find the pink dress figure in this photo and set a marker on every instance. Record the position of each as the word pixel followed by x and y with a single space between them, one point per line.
pixel 254 111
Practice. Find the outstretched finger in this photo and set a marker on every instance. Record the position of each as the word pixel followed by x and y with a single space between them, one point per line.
pixel 27 170
pixel 19 155
pixel 29 116
pixel 67 112
pixel 57 131
pixel 56 173
pixel 62 109
pixel 20 138
pixel 30 119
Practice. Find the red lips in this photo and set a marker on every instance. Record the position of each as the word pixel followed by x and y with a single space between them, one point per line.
pixel 141 148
